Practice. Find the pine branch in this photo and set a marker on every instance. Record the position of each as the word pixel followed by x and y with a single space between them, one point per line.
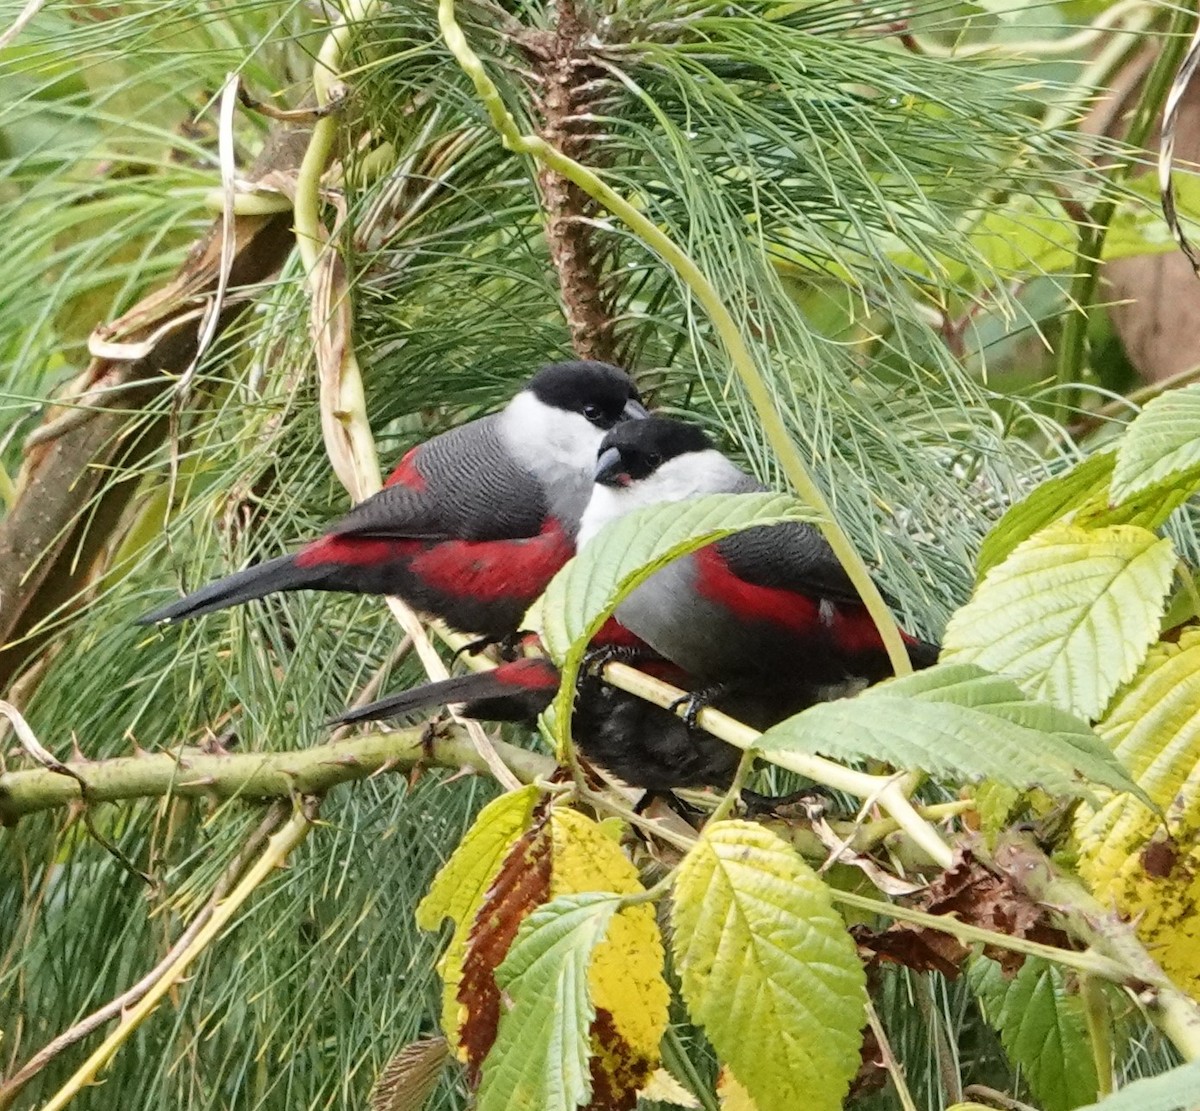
pixel 48 544
pixel 569 80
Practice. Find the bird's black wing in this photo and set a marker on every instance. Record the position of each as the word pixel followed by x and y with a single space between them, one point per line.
pixel 461 485
pixel 790 556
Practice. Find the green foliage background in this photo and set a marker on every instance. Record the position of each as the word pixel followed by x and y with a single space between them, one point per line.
pixel 831 183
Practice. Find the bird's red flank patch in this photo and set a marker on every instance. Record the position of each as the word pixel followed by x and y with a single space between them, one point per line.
pixel 406 473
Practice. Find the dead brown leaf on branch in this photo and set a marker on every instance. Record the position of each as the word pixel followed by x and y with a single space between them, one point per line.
pixel 971 893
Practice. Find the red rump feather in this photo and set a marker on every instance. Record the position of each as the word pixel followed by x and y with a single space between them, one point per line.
pixel 534 673
pixel 355 551
pixel 406 473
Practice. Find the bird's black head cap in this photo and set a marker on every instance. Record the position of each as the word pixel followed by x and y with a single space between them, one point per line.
pixel 635 450
pixel 604 394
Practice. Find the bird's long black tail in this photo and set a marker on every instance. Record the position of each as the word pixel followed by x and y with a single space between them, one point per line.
pixel 254 582
pixel 516 691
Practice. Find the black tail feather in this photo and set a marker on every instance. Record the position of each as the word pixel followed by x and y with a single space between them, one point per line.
pixel 923 654
pixel 486 693
pixel 243 586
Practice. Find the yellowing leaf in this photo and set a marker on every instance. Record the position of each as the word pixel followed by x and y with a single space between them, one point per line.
pixel 459 888
pixel 625 977
pixel 540 1058
pixel 732 1093
pixel 767 967
pixel 1069 614
pixel 535 967
pixel 1127 857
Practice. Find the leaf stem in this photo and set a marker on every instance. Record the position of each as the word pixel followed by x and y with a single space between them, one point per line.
pixel 1098 1021
pixel 279 848
pixel 706 294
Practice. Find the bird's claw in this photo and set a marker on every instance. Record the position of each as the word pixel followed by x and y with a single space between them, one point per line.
pixel 508 646
pixel 595 660
pixel 695 701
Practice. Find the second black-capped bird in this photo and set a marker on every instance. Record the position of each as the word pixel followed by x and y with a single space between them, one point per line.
pixel 768 613
pixel 472 524
pixel 766 620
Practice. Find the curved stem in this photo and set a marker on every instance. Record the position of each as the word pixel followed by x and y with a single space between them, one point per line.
pixel 705 293
pixel 1072 347
pixel 343 408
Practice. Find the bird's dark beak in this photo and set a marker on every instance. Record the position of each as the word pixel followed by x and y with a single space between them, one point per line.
pixel 634 410
pixel 610 469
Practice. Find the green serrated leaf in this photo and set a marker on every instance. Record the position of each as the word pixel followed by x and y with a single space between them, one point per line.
pixel 540 1058
pixel 767 967
pixel 956 720
pixel 627 552
pixel 1172 1091
pixel 1044 505
pixel 1041 1027
pixel 1069 614
pixel 1161 448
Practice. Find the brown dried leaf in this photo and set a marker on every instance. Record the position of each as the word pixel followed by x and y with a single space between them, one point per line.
pixel 409 1078
pixel 915 947
pixel 972 894
pixel 522 884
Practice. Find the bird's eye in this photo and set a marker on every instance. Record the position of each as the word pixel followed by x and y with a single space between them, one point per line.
pixel 593 412
pixel 653 460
